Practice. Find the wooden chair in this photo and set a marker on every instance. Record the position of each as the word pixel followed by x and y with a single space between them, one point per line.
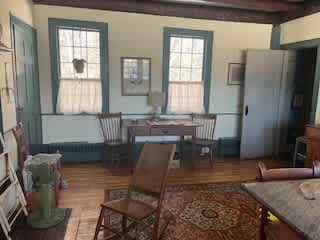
pixel 111 126
pixel 149 179
pixel 23 144
pixel 265 174
pixel 205 132
pixel 24 151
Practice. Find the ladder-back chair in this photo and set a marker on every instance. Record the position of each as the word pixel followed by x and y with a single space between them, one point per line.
pixel 205 132
pixel 149 179
pixel 24 152
pixel 111 126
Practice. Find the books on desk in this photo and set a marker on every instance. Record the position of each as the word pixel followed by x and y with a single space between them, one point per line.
pixel 166 123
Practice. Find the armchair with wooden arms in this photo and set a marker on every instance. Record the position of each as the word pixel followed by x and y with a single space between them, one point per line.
pixel 149 179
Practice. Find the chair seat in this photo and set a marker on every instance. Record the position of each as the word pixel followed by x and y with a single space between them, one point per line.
pixel 114 143
pixel 133 209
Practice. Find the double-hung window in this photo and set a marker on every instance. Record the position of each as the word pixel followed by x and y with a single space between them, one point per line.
pixel 187 70
pixel 79 62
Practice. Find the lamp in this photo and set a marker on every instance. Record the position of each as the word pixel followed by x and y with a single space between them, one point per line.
pixel 156 100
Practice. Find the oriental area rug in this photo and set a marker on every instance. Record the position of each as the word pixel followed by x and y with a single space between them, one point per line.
pixel 221 211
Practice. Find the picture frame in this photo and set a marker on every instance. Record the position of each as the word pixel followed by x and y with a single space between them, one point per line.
pixel 236 73
pixel 135 76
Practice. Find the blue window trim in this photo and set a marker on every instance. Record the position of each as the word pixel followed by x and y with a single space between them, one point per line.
pixel 208 37
pixel 54 23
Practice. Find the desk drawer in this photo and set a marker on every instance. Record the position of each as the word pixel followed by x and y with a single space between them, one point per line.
pixel 166 131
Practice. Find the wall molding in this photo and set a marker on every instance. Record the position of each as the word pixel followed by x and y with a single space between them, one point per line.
pixel 83 152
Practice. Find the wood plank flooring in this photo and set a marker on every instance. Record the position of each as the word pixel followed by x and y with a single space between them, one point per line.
pixel 87 183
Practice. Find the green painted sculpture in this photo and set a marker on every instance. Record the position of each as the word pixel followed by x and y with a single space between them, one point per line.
pixel 43 176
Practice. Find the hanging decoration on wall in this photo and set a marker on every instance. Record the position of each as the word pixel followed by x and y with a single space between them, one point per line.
pixel 136 76
pixel 236 73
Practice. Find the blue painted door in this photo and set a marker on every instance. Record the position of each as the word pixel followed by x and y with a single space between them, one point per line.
pixel 27 81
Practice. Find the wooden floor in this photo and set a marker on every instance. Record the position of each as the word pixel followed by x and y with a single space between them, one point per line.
pixel 87 183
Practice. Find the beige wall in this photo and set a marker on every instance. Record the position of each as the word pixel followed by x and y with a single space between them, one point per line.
pixel 22 9
pixel 301 29
pixel 142 35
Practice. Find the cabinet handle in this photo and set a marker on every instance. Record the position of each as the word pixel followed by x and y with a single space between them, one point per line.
pixel 246 110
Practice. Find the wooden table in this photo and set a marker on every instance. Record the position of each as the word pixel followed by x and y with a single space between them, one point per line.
pixel 284 199
pixel 178 128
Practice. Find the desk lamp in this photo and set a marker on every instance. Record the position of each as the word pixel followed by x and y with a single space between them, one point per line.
pixel 156 100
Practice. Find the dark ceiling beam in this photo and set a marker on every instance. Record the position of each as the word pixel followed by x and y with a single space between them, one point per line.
pixel 266 5
pixel 309 7
pixel 169 9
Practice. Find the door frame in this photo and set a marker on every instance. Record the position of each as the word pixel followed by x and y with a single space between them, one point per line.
pixel 314 43
pixel 17 21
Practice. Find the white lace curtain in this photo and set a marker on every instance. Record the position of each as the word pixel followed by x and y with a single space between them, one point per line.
pixel 185 97
pixel 79 96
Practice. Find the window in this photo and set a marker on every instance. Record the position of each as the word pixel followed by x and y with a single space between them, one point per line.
pixel 187 69
pixel 78 55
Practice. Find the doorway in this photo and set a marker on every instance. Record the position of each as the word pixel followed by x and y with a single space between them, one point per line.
pixel 27 81
pixel 301 106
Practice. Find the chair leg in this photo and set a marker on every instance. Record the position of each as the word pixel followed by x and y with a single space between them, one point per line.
pixel 98 227
pixel 211 156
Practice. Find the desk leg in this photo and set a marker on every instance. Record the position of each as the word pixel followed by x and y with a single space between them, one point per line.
pixel 181 147
pixel 193 146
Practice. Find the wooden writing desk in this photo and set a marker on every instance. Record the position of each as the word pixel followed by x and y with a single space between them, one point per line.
pixel 178 128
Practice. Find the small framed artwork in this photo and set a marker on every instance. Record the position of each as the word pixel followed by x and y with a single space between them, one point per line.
pixel 236 73
pixel 136 76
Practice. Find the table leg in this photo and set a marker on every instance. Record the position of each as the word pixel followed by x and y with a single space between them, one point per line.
pixel 131 140
pixel 193 146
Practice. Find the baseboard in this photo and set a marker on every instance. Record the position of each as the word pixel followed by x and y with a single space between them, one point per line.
pixel 229 147
pixel 83 152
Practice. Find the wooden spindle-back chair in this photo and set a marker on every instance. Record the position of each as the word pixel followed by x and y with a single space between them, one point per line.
pixel 149 179
pixel 205 132
pixel 111 126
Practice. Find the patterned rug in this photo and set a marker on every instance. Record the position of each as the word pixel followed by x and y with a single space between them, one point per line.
pixel 212 211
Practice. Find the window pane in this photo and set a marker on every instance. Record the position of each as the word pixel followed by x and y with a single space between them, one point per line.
pixel 197 60
pixel 83 40
pixel 186 60
pixel 185 75
pixel 145 69
pixel 175 44
pixel 65 37
pixel 93 55
pixel 196 75
pixel 76 38
pixel 198 45
pixel 66 54
pixel 66 70
pixel 187 45
pixel 80 53
pixel 174 74
pixel 93 39
pixel 94 71
pixel 175 60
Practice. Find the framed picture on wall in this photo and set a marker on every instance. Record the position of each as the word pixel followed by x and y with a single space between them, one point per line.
pixel 236 73
pixel 136 76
